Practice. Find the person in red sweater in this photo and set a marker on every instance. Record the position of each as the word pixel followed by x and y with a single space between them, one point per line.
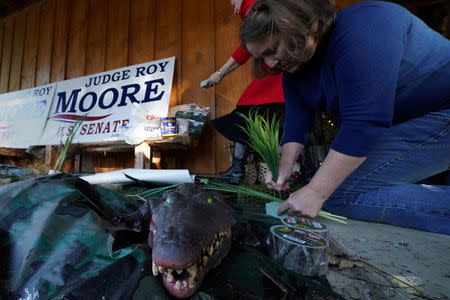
pixel 264 95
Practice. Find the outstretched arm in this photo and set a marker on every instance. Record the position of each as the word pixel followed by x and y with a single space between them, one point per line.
pixel 333 171
pixel 309 200
pixel 217 76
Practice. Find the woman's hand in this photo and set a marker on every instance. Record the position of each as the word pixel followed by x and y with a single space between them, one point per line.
pixel 212 80
pixel 289 155
pixel 309 200
pixel 280 185
pixel 284 172
pixel 304 202
pixel 217 76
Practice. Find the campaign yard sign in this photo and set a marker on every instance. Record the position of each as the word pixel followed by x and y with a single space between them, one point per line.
pixel 23 115
pixel 104 101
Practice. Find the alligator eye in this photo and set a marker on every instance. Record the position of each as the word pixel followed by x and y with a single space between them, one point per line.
pixel 168 200
pixel 153 227
pixel 152 235
pixel 210 200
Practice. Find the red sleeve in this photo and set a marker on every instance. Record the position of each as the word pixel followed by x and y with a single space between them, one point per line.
pixel 245 7
pixel 241 55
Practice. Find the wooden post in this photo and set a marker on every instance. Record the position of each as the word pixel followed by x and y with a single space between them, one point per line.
pixel 142 155
pixel 77 163
pixel 156 159
pixel 48 157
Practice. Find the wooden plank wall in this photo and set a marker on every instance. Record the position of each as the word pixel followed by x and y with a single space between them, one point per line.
pixel 56 40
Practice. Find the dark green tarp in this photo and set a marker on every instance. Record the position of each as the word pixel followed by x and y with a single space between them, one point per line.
pixel 57 241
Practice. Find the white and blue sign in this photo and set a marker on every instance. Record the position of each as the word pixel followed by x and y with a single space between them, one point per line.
pixel 105 100
pixel 45 115
pixel 23 115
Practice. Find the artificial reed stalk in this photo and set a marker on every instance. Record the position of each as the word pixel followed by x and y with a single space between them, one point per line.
pixel 64 147
pixel 225 187
pixel 155 192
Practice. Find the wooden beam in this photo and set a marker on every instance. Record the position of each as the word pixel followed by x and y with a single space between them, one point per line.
pixel 12 152
pixel 142 155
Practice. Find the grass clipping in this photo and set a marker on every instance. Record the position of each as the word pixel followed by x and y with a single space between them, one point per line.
pixel 64 147
pixel 231 188
pixel 264 138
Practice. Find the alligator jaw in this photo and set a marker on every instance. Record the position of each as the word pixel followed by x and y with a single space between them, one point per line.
pixel 183 282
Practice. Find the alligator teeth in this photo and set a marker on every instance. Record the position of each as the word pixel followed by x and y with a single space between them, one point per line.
pixel 168 271
pixel 169 277
pixel 191 283
pixel 185 283
pixel 192 270
pixel 205 260
pixel 161 269
pixel 179 271
pixel 177 284
pixel 211 249
pixel 154 269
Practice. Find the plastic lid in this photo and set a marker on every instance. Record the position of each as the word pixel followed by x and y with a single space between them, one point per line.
pixel 304 223
pixel 299 236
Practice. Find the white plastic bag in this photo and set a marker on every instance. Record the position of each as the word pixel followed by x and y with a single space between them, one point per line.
pixel 143 126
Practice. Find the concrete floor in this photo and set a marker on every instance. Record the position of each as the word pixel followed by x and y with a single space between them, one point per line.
pixel 419 258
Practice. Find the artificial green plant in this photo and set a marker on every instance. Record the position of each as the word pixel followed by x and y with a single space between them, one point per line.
pixel 263 136
pixel 64 147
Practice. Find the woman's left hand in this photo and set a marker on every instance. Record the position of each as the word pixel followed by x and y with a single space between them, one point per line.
pixel 304 202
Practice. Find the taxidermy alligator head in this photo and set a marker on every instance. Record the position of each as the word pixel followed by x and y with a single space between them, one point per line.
pixel 189 233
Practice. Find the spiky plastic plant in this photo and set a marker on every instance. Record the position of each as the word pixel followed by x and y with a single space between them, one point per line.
pixel 263 136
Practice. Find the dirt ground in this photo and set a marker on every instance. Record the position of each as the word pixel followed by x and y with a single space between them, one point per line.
pixel 368 260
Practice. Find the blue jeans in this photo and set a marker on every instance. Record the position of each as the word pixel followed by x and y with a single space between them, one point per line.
pixel 382 189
